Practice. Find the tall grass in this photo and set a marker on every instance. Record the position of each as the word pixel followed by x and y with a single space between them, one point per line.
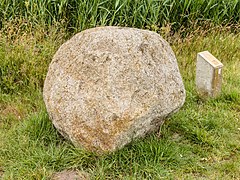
pixel 201 141
pixel 77 15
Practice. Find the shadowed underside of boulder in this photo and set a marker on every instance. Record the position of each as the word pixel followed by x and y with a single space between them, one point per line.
pixel 108 85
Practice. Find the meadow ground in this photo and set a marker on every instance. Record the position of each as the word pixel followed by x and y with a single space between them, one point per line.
pixel 201 141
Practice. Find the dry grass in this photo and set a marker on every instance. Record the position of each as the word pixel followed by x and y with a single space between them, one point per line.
pixel 201 141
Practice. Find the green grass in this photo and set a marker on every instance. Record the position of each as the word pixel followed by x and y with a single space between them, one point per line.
pixel 77 15
pixel 201 141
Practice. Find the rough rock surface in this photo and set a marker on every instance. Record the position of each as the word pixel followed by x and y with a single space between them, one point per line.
pixel 108 85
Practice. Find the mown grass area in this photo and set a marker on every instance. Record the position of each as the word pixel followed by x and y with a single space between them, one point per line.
pixel 201 141
pixel 76 15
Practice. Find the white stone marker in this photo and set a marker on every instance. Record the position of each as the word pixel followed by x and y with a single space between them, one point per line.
pixel 208 74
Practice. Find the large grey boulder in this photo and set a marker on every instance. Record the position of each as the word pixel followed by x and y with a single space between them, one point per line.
pixel 108 85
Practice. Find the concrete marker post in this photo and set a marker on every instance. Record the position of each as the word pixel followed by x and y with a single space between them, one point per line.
pixel 208 75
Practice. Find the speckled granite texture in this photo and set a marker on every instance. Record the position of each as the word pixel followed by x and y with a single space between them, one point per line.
pixel 108 85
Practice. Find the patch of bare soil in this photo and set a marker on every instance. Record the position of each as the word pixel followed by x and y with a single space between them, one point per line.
pixel 1 173
pixel 70 175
